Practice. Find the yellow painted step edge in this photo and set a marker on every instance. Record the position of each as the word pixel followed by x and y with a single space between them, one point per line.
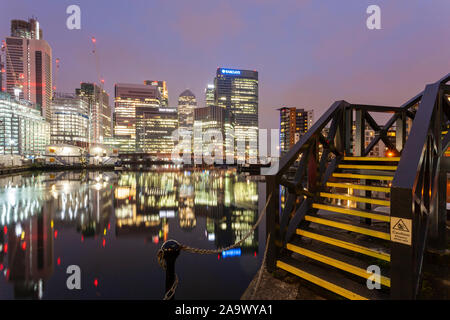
pixel 353 212
pixel 358 187
pixel 337 263
pixel 320 282
pixel 349 227
pixel 362 176
pixel 367 167
pixel 345 245
pixel 385 203
pixel 372 159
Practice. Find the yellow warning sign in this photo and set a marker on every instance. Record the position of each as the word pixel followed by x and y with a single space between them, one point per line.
pixel 401 230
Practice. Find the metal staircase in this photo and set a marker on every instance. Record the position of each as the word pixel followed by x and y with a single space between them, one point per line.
pixel 346 234
pixel 335 213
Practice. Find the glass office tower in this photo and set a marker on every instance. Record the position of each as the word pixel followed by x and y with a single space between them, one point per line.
pixel 23 131
pixel 70 120
pixel 142 123
pixel 99 110
pixel 237 92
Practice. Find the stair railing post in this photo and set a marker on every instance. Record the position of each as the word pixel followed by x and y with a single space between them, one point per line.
pixel 437 228
pixel 272 221
pixel 358 151
pixel 403 262
pixel 437 233
pixel 400 132
pixel 348 122
pixel 360 136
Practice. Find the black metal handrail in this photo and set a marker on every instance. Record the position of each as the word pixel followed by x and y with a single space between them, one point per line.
pixel 304 170
pixel 418 186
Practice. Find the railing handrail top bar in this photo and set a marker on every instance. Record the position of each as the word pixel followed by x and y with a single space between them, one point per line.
pixel 375 108
pixel 444 79
pixel 417 97
pixel 293 153
pixel 408 166
pixel 405 176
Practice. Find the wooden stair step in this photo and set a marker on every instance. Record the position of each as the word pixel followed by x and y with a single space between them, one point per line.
pixel 358 186
pixel 335 223
pixel 329 280
pixel 343 196
pixel 375 159
pixel 363 176
pixel 367 167
pixel 353 212
pixel 336 260
pixel 336 240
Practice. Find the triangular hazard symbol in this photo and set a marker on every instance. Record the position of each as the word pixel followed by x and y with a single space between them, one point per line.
pixel 400 226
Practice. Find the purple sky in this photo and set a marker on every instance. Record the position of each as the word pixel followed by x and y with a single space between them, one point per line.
pixel 308 53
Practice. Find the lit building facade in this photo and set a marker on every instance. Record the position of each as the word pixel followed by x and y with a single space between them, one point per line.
pixel 2 74
pixel 29 65
pixel 237 92
pixel 127 98
pixel 186 106
pixel 141 123
pixel 209 95
pixel 163 92
pixel 294 123
pixel 23 131
pixel 99 111
pixel 70 120
pixel 26 29
pixel 154 127
pixel 210 119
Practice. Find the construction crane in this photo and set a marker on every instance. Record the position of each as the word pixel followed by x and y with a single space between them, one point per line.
pixel 56 74
pixel 96 126
pixel 97 64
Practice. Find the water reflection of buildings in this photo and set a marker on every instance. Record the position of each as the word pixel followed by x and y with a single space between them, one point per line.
pixel 231 221
pixel 30 255
pixel 32 210
pixel 144 203
pixel 35 209
pixel 83 199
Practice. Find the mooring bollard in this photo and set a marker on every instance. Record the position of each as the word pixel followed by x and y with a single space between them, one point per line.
pixel 170 251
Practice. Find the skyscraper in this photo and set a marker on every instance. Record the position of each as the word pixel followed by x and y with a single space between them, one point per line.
pixel 2 73
pixel 29 65
pixel 26 29
pixel 70 120
pixel 154 127
pixel 237 92
pixel 209 95
pixel 99 111
pixel 293 124
pixel 141 124
pixel 162 88
pixel 209 120
pixel 23 129
pixel 186 105
pixel 127 98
